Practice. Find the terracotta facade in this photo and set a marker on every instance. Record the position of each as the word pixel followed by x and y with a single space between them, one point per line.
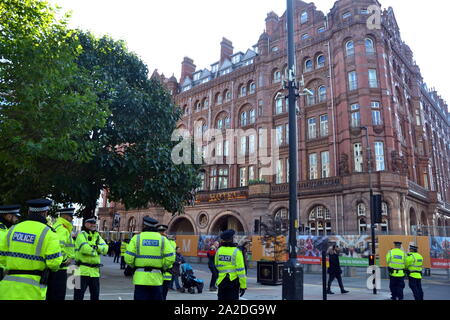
pixel 361 77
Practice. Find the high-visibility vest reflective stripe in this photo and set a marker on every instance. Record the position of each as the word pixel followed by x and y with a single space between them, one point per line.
pixel 149 250
pixel 397 262
pixel 229 260
pixel 415 263
pixel 24 280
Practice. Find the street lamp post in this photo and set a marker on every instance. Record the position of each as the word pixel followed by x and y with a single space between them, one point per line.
pixel 293 272
pixel 372 218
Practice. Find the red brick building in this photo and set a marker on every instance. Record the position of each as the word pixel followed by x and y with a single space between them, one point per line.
pixel 361 76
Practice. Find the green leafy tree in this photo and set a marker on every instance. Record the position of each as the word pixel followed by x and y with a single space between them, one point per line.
pixel 133 156
pixel 47 103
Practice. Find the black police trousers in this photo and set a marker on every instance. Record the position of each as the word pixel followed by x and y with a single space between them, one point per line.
pixel 416 288
pixel 57 284
pixel 396 285
pixel 165 289
pixel 94 288
pixel 148 293
pixel 228 290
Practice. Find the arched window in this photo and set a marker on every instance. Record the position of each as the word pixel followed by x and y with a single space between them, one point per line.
pixel 252 88
pixel 370 48
pixel 132 224
pixel 362 225
pixel 276 76
pixel 309 65
pixel 311 99
pixel 320 61
pixel 281 218
pixel 242 90
pixel 361 209
pixel 384 209
pixel 252 116
pixel 227 95
pixel 219 98
pixel 322 93
pixel 304 17
pixel 244 120
pixel 350 48
pixel 278 104
pixel 320 221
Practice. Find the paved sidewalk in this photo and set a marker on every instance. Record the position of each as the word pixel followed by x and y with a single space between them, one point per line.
pixel 115 286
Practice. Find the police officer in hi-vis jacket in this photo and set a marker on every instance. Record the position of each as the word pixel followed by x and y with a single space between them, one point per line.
pixel 229 261
pixel 28 252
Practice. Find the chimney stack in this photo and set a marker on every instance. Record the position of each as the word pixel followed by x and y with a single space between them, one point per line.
pixel 271 23
pixel 226 49
pixel 187 68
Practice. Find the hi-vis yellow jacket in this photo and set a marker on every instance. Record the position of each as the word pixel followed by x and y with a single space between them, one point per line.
pixel 229 260
pixel 88 248
pixel 414 262
pixel 151 251
pixel 396 259
pixel 28 246
pixel 63 230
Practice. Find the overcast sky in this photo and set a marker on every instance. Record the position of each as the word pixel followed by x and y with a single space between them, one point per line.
pixel 163 32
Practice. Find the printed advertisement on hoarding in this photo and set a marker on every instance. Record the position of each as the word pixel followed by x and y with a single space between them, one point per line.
pixel 310 249
pixel 188 245
pixel 266 250
pixel 440 252
pixel 204 243
pixel 354 249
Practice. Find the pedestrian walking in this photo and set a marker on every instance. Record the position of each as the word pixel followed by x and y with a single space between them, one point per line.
pixel 110 248
pixel 179 260
pixel 89 246
pixel 150 254
pixel 57 280
pixel 211 253
pixel 9 216
pixel 334 269
pixel 396 260
pixel 116 252
pixel 243 246
pixel 123 248
pixel 29 251
pixel 229 261
pixel 414 262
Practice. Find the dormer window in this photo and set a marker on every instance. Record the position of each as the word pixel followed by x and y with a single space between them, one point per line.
pixel 196 76
pixel 215 68
pixel 236 59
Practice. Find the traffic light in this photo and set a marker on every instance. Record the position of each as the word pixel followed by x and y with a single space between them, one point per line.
pixel 377 209
pixel 371 260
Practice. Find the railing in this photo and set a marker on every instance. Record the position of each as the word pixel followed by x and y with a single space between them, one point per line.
pixel 307 185
pixel 418 190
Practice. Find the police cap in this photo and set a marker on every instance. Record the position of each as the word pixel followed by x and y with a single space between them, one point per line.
pixel 12 209
pixel 91 220
pixel 397 243
pixel 162 227
pixel 150 222
pixel 39 205
pixel 412 247
pixel 227 235
pixel 68 211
